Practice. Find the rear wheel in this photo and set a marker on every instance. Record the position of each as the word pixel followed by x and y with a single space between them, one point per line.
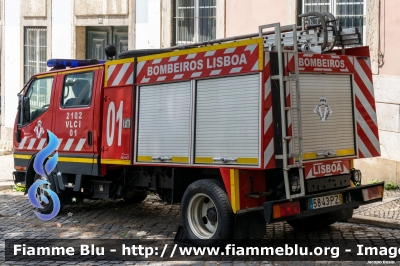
pixel 206 212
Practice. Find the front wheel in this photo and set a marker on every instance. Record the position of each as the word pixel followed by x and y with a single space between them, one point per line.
pixel 41 194
pixel 206 212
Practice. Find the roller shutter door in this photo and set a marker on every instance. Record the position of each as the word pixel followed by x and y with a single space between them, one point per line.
pixel 164 123
pixel 326 115
pixel 227 120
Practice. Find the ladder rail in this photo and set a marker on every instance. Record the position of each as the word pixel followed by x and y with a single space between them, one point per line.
pixel 283 109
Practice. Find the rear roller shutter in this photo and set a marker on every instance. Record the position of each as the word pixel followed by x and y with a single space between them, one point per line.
pixel 326 116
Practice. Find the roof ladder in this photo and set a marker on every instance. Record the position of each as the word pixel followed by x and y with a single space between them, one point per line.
pixel 297 156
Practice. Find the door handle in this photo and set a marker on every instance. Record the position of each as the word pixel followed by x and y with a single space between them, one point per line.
pixel 90 138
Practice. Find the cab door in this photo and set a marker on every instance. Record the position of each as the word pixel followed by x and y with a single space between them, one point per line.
pixel 34 125
pixel 74 120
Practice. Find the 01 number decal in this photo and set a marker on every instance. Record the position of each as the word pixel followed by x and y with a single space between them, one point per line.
pixel 112 119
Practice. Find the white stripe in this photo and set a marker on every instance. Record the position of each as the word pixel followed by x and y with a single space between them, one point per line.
pixel 21 145
pixel 209 53
pixel 111 70
pixel 335 56
pixel 41 143
pixel 344 70
pixel 367 130
pixel 196 74
pixel 179 76
pixel 307 55
pixel 235 70
pixel 80 144
pixel 269 152
pixel 266 56
pixel 322 69
pixel 140 66
pixel 364 77
pixel 251 48
pixel 363 149
pixel 191 56
pixel 31 143
pixel 309 175
pixel 59 143
pixel 145 80
pixel 255 67
pixel 161 78
pixel 229 50
pixel 365 103
pixel 345 171
pixel 130 79
pixel 173 58
pixel 215 72
pixel 68 145
pixel 156 61
pixel 267 88
pixel 302 68
pixel 267 120
pixel 121 73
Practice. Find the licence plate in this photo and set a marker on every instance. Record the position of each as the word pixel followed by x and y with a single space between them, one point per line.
pixel 325 201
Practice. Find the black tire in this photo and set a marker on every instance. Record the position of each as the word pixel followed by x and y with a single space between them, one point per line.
pixel 321 221
pixel 206 213
pixel 141 52
pixel 47 208
pixel 137 197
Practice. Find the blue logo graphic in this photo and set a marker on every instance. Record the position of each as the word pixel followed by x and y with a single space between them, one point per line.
pixel 37 190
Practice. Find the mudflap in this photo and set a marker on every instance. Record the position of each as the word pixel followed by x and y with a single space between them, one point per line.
pixel 181 237
pixel 250 224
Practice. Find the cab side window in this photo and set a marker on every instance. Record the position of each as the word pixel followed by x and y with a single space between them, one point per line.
pixel 39 95
pixel 77 90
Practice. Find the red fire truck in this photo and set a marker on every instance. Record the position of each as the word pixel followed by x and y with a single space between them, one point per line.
pixel 241 131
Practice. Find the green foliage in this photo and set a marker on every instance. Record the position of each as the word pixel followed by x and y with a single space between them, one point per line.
pixel 19 188
pixel 374 181
pixel 390 186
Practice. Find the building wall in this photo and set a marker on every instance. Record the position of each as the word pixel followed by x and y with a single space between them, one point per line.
pixel 244 17
pixel 383 23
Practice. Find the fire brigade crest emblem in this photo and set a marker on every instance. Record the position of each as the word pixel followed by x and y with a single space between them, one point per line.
pixel 39 129
pixel 322 109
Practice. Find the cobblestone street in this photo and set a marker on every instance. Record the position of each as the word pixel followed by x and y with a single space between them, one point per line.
pixel 151 219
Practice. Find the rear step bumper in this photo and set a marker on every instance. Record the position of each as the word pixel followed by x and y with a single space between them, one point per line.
pixel 302 206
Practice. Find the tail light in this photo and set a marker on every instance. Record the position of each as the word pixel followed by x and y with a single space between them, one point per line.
pixel 286 209
pixel 372 193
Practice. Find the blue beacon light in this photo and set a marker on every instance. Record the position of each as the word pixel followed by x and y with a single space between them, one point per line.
pixel 63 63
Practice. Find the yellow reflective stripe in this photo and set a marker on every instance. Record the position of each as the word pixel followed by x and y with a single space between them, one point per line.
pixel 112 161
pixel 60 159
pixel 178 159
pixel 351 164
pixel 247 160
pixel 76 160
pixel 235 197
pixel 144 159
pixel 209 160
pixel 203 160
pixel 340 153
pixel 22 156
pixel 174 159
pixel 258 41
pixel 46 75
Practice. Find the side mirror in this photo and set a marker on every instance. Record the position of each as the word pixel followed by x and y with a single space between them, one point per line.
pixel 26 110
